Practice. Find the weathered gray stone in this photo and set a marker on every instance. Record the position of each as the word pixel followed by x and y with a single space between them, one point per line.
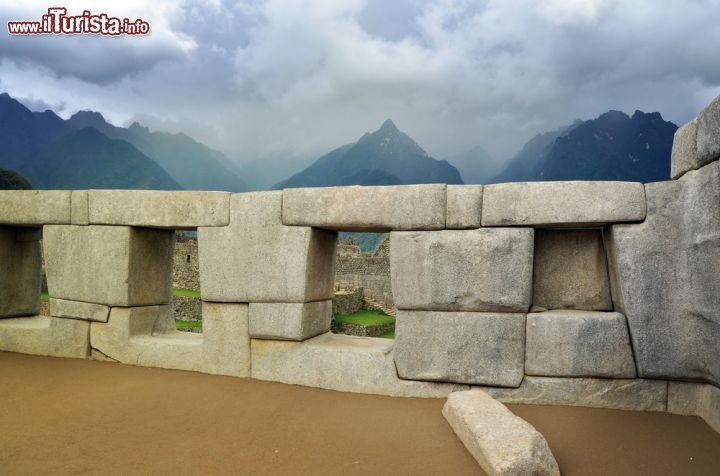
pixel 462 347
pixel 665 278
pixel 79 310
pixel 501 442
pixel 79 208
pixel 289 321
pixel 562 203
pixel 338 362
pixel 404 207
pixel 111 265
pixel 20 276
pixel 578 344
pixel 464 206
pixel 42 335
pixel 159 209
pixel 226 340
pixel 570 270
pixel 454 270
pixel 708 133
pixel 258 259
pixel 684 150
pixel 34 207
pixel 620 394
pixel 703 400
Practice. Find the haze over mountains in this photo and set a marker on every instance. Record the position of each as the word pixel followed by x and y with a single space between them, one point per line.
pixel 86 151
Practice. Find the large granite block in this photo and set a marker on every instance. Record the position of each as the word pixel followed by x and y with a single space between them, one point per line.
pixel 453 270
pixel 289 321
pixel 42 335
pixel 684 150
pixel 34 207
pixel 708 133
pixel 158 209
pixel 20 276
pixel 464 207
pixel 338 362
pixel 462 347
pixel 501 442
pixel 562 203
pixel 578 344
pixel 620 394
pixel 665 278
pixel 380 209
pixel 703 400
pixel 79 310
pixel 110 265
pixel 226 339
pixel 570 270
pixel 258 259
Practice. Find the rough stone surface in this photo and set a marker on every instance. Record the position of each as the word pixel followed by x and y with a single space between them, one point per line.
pixel 578 344
pixel 111 265
pixel 20 274
pixel 79 310
pixel 620 394
pixel 665 278
pixel 404 207
pixel 464 206
pixel 289 321
pixel 226 340
pixel 562 203
pixel 684 150
pixel 461 347
pixel 570 270
pixel 338 362
pixel 453 270
pixel 159 209
pixel 42 335
pixel 79 211
pixel 703 400
pixel 501 442
pixel 708 133
pixel 258 259
pixel 34 207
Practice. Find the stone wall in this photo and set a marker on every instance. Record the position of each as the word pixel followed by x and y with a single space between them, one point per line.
pixel 371 272
pixel 186 264
pixel 584 293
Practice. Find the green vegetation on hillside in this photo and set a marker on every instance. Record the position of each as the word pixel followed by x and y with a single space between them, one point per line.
pixel 365 318
pixel 186 293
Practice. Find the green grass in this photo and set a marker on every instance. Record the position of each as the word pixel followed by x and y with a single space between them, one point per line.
pixel 365 318
pixel 186 293
pixel 388 335
pixel 188 324
pixel 44 296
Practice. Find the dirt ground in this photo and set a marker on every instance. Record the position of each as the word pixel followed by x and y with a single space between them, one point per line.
pixel 63 416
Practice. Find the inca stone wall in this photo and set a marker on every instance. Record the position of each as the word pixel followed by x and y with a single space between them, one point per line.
pixel 575 293
pixel 371 272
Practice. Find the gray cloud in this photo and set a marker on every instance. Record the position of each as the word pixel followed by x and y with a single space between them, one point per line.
pixel 255 78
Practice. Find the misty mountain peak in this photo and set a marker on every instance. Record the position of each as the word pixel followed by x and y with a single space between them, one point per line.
pixel 88 119
pixel 388 127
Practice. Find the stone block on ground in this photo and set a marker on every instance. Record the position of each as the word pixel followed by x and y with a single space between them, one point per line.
pixel 665 277
pixel 562 203
pixel 703 400
pixel 110 265
pixel 464 206
pixel 79 310
pixel 378 209
pixel 338 362
pixel 619 394
pixel 258 259
pixel 462 347
pixel 500 441
pixel 34 207
pixel 289 321
pixel 159 209
pixel 226 339
pixel 570 270
pixel 463 270
pixel 42 335
pixel 20 279
pixel 684 150
pixel 708 133
pixel 578 344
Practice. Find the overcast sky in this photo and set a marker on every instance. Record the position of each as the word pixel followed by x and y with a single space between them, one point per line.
pixel 301 77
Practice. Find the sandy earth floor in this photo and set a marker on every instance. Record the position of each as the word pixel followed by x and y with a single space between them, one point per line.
pixel 60 416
